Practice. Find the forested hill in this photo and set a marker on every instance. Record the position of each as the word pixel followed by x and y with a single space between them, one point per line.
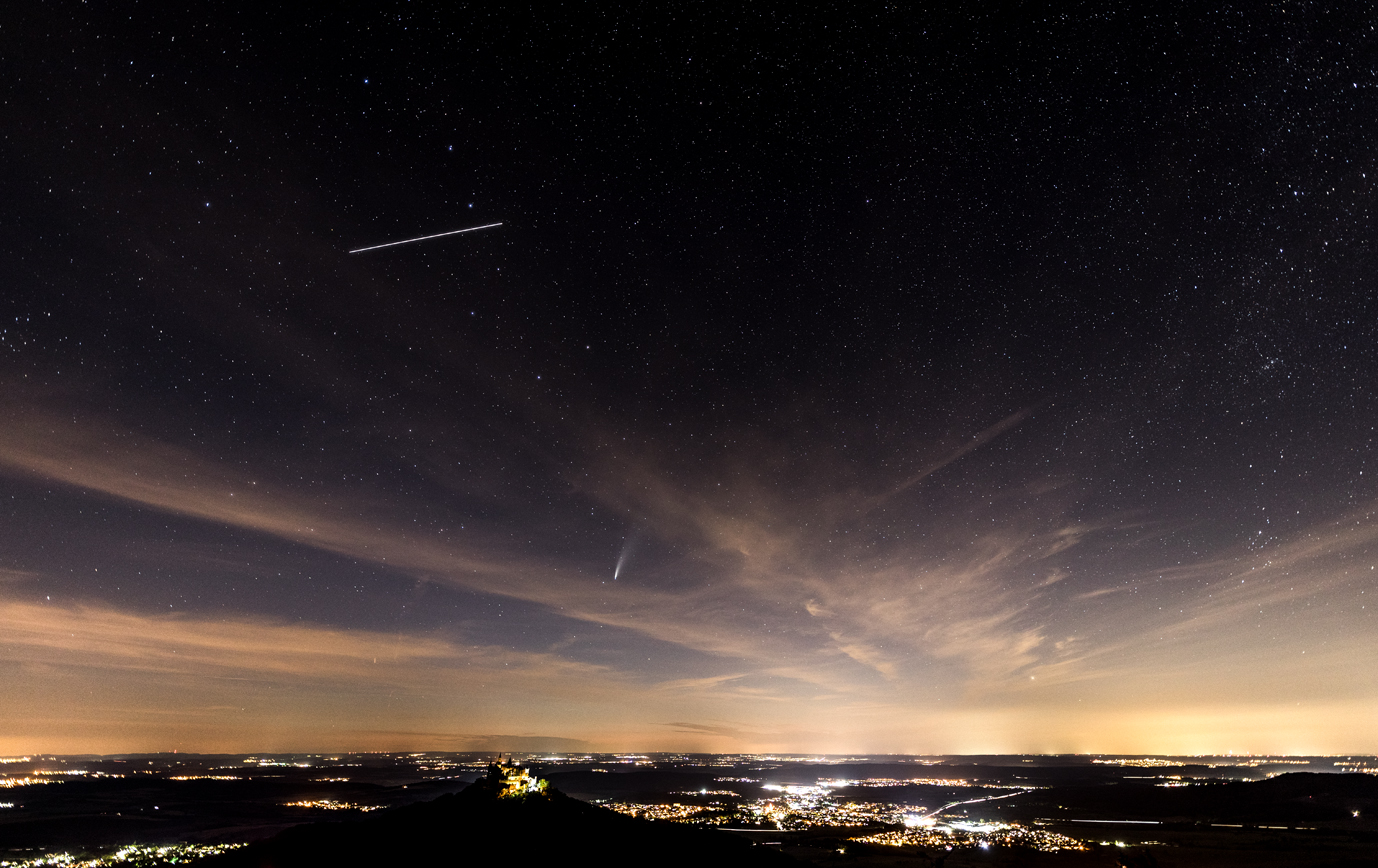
pixel 475 827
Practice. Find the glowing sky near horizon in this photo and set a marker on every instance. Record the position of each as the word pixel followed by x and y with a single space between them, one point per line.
pixel 934 384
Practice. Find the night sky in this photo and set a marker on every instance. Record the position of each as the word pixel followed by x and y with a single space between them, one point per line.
pixel 874 380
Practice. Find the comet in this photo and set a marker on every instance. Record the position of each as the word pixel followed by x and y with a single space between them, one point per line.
pixel 627 549
pixel 425 237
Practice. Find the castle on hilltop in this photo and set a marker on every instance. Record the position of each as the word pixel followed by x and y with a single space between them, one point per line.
pixel 513 779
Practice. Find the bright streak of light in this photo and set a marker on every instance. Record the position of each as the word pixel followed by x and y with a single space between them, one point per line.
pixel 426 237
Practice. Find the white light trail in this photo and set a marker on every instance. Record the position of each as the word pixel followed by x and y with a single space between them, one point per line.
pixel 627 549
pixel 426 237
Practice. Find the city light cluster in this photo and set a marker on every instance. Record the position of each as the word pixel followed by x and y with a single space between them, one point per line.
pixel 806 810
pixel 1255 763
pixel 331 805
pixel 806 807
pixel 133 855
pixel 1357 766
pixel 897 782
pixel 797 807
pixel 25 782
pixel 675 813
pixel 983 835
pixel 446 765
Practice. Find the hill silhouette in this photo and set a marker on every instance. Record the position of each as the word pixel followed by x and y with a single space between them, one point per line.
pixel 475 826
pixel 1294 798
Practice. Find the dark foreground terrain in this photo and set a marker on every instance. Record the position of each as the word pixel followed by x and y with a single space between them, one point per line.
pixel 476 827
pixel 944 812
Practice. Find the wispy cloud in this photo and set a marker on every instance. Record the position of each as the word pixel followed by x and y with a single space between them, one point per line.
pixel 764 556
pixel 103 638
pixel 796 597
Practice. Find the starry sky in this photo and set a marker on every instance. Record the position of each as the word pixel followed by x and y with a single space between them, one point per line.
pixel 993 379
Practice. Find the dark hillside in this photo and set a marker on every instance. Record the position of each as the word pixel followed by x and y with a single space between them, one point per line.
pixel 1295 798
pixel 474 827
pixel 644 785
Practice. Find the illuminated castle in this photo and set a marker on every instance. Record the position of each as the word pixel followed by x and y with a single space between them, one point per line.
pixel 513 779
